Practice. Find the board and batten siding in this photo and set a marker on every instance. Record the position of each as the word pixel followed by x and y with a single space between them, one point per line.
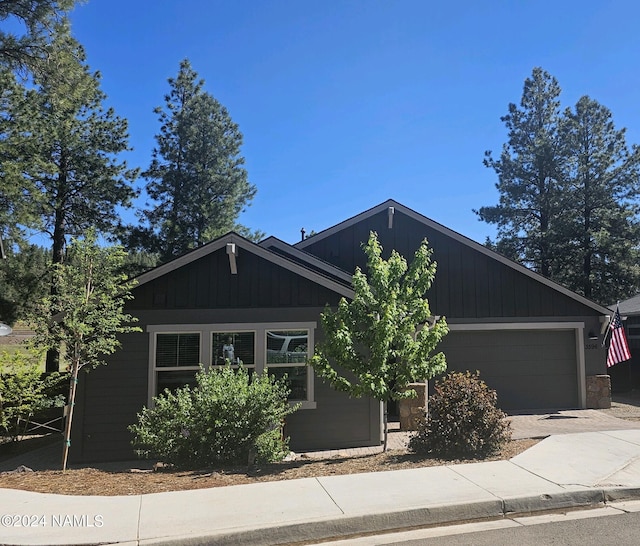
pixel 469 284
pixel 206 283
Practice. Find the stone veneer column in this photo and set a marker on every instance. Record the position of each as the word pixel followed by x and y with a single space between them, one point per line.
pixel 412 410
pixel 598 392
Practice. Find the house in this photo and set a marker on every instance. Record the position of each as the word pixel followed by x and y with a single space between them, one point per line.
pixel 625 376
pixel 532 340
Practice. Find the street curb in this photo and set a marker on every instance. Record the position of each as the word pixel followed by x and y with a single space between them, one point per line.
pixel 332 528
pixel 329 528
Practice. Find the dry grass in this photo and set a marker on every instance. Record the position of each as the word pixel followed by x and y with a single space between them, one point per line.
pixel 114 479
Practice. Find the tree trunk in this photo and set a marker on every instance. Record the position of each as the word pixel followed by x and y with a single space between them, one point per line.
pixel 385 420
pixel 71 402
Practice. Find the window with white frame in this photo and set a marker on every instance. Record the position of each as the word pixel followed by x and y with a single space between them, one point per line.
pixel 282 349
pixel 177 359
pixel 287 354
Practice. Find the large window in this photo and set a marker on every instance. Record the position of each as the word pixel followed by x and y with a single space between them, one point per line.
pixel 281 349
pixel 287 354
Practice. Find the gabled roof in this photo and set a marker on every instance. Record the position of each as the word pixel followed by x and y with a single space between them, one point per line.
pixel 309 260
pixel 398 207
pixel 248 246
pixel 629 307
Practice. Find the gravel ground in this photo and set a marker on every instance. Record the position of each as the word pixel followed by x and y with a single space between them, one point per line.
pixel 625 405
pixel 125 479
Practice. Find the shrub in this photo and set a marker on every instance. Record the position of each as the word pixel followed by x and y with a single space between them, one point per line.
pixel 226 418
pixel 462 420
pixel 25 391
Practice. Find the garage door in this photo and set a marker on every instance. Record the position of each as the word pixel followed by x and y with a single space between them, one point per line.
pixel 529 369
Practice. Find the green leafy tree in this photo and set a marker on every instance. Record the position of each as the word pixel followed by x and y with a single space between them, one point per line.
pixel 197 179
pixel 598 253
pixel 227 417
pixel 24 392
pixel 529 170
pixel 87 307
pixel 385 337
pixel 32 24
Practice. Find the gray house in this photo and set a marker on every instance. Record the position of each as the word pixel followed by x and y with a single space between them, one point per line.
pixel 625 376
pixel 532 340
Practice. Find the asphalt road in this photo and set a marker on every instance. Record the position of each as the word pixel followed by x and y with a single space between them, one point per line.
pixel 580 528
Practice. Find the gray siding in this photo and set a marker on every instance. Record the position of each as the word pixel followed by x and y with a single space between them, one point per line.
pixel 468 283
pixel 112 395
pixel 208 284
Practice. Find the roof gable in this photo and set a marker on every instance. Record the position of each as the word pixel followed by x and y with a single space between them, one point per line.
pixel 393 208
pixel 244 245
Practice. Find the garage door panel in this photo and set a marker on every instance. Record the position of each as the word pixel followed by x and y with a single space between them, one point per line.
pixel 533 391
pixel 529 369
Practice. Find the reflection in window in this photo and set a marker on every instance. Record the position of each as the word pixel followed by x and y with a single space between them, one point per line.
pixel 285 348
pixel 233 347
pixel 173 380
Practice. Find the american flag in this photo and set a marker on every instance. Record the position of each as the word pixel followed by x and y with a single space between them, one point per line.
pixel 618 347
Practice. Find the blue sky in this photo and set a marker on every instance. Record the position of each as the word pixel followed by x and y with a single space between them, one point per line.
pixel 344 104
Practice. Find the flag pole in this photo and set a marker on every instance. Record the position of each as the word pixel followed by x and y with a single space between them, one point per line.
pixel 604 338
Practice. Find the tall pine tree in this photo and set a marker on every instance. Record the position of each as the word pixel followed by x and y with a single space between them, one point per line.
pixel 529 176
pixel 196 179
pixel 64 147
pixel 63 151
pixel 32 24
pixel 599 249
pixel 568 186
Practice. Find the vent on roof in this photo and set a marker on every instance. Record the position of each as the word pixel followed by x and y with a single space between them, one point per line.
pixel 391 211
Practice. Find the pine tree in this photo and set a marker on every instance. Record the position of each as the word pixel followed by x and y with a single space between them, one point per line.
pixel 599 257
pixel 196 178
pixel 62 150
pixel 529 176
pixel 569 185
pixel 24 43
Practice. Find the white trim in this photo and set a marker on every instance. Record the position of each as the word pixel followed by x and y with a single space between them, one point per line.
pixel 516 326
pixel 306 257
pixel 206 332
pixel 457 237
pixel 245 244
pixel 232 251
pixel 577 327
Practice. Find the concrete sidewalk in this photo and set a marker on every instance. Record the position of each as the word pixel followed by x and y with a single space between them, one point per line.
pixel 571 470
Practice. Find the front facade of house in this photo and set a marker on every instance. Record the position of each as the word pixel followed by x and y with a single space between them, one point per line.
pixel 530 338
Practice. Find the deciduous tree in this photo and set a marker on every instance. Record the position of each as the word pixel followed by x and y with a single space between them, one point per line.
pixel 385 338
pixel 85 313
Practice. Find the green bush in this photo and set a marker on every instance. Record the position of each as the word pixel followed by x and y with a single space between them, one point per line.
pixel 226 418
pixel 462 420
pixel 25 391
